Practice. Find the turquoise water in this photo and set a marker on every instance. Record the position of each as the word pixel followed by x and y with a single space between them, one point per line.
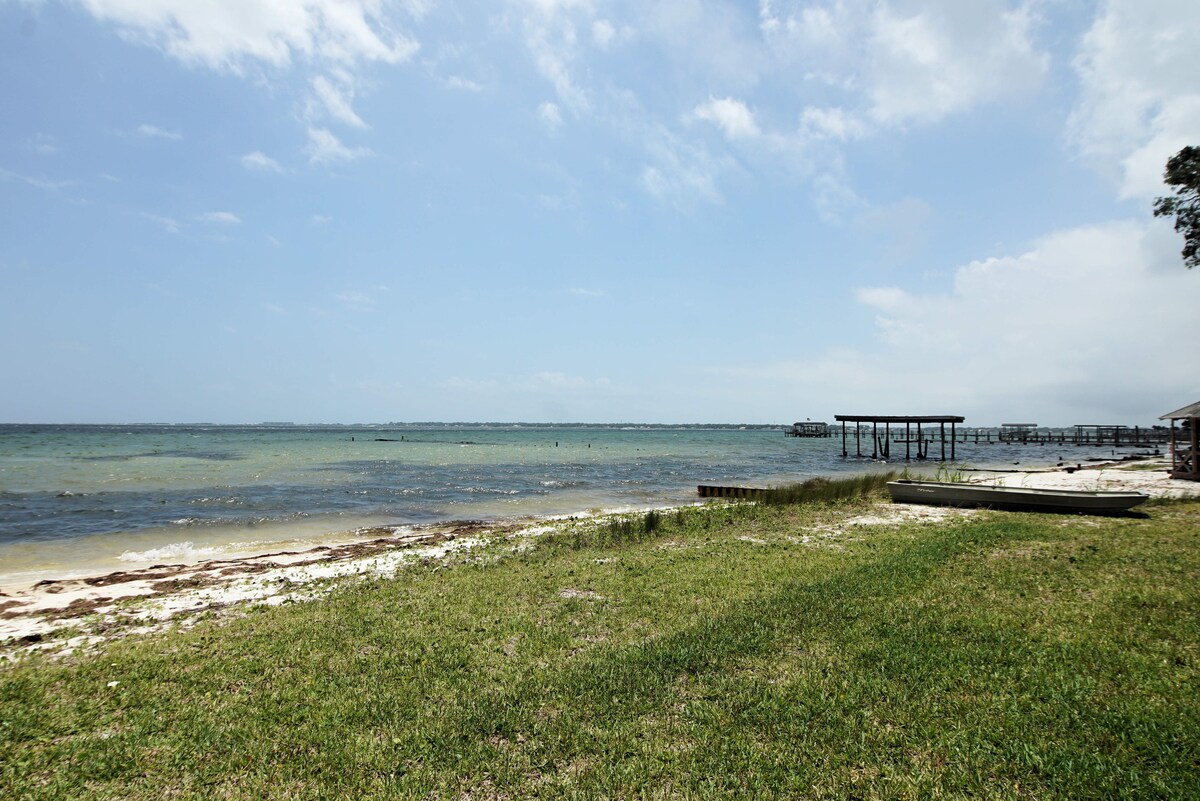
pixel 78 500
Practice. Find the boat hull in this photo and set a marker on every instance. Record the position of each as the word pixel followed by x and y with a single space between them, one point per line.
pixel 994 496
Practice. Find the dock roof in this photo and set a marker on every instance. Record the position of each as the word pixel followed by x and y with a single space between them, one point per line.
pixel 903 418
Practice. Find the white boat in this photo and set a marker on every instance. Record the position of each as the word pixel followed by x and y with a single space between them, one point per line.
pixel 995 496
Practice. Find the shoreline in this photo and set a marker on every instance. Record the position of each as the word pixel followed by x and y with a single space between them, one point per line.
pixel 142 600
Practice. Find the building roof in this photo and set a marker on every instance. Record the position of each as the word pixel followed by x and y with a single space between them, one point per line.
pixel 1187 411
pixel 875 418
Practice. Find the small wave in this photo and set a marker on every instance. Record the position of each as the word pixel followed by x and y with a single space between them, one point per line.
pixel 176 550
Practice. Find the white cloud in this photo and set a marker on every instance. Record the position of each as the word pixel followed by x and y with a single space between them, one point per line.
pixel 1043 333
pixel 320 219
pixel 587 293
pixel 168 224
pixel 1139 102
pixel 730 115
pixel 884 298
pixel 326 37
pixel 904 62
pixel 549 115
pixel 228 34
pixel 335 101
pixel 949 57
pixel 831 123
pixel 355 300
pixel 325 148
pixel 46 184
pixel 603 33
pixel 713 41
pixel 42 144
pixel 358 300
pixel 154 132
pixel 260 161
pixel 465 84
pixel 220 217
pixel 553 43
pixel 681 172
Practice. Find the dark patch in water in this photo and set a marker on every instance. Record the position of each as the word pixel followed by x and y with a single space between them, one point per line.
pixel 208 456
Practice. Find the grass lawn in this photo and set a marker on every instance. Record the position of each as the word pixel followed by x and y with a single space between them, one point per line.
pixel 749 651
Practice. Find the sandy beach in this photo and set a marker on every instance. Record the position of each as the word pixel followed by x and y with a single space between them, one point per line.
pixel 97 608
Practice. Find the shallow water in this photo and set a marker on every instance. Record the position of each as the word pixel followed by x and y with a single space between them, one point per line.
pixel 77 500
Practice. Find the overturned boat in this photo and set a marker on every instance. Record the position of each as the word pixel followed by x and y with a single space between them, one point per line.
pixel 995 496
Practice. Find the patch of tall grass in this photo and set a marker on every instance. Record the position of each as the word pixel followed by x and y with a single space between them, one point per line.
pixel 827 490
pixel 618 530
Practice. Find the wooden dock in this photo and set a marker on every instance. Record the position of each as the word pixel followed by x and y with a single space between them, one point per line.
pixel 712 491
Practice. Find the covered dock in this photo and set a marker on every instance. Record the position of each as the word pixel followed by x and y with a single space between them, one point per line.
pixel 808 429
pixel 881 444
pixel 1017 432
pixel 1184 442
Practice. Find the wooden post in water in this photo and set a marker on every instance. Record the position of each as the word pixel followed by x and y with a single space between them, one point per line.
pixel 907 442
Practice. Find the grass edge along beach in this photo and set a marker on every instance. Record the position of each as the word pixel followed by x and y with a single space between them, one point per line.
pixel 827 650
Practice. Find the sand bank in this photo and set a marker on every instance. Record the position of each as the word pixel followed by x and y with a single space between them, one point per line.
pixel 102 607
pixel 1146 475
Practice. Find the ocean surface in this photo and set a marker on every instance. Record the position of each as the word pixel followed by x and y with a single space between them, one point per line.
pixel 86 500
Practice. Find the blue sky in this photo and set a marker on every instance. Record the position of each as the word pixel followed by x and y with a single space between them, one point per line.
pixel 577 210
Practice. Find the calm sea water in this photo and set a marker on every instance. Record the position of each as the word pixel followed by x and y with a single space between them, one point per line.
pixel 81 500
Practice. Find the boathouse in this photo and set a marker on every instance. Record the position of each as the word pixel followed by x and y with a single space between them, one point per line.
pixel 1184 445
pixel 1017 432
pixel 808 429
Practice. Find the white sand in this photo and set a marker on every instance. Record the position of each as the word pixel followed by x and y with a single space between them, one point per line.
pixel 1149 476
pixel 137 601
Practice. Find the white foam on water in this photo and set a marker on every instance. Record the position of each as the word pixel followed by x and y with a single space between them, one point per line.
pixel 176 550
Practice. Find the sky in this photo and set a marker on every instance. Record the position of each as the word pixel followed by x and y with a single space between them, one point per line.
pixel 681 211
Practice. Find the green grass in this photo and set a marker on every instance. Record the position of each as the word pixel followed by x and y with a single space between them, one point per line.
pixel 1155 465
pixel 732 651
pixel 828 490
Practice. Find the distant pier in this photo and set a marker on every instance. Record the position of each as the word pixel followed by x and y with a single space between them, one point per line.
pixel 927 432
